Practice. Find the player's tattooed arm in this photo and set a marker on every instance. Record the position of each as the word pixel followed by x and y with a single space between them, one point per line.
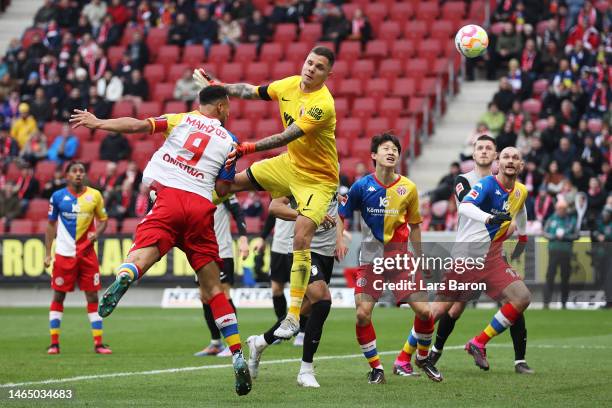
pixel 242 91
pixel 291 133
pixel 119 125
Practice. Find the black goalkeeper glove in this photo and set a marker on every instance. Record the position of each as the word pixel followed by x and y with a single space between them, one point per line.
pixel 499 219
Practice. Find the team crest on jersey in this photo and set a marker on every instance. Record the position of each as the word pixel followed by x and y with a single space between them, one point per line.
pixel 89 197
pixel 401 190
pixel 59 281
pixel 459 188
pixel 474 194
pixel 361 282
pixel 314 270
pixel 343 199
pixel 517 194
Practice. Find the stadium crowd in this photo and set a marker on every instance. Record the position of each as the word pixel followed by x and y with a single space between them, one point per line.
pixel 554 102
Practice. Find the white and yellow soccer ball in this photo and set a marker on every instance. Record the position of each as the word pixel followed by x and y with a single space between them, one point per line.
pixel 471 40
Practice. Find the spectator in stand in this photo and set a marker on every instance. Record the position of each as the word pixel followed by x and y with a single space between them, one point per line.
pixel 446 185
pixel 41 107
pixel 74 101
pixel 35 149
pixel 527 132
pixel 67 14
pixel 563 78
pixel 360 171
pixel 553 180
pixel 29 87
pixel 10 108
pixel 82 28
pixel 516 116
pixel 119 12
pixel 605 176
pixel 493 119
pixel 568 193
pixel 26 188
pixel 122 202
pixel 47 64
pixel 23 126
pixel 507 137
pixel 136 88
pixel 186 89
pixel 115 147
pixel 97 66
pixel 180 31
pixel 6 86
pixel 579 57
pixel 335 27
pixel 598 104
pixel 205 30
pixel 110 87
pixel 53 37
pixel 515 76
pixel 252 206
pixel 551 34
pixel 138 51
pixel 36 50
pixel 580 177
pixel 107 183
pixel 45 14
pixel 230 31
pixel 602 256
pixel 568 118
pixel 596 198
pixel 64 147
pixel 9 149
pixel 109 33
pixel 532 178
pixel 537 153
pixel 560 230
pixel 88 49
pixel 507 46
pixel 564 155
pixel 95 12
pixel 9 205
pixel 591 156
pixel 530 61
pixel 99 106
pixel 257 30
pixel 361 29
pixel 504 97
pixel 57 182
pixel 142 203
pixel 543 206
pixel 132 174
pixel 551 135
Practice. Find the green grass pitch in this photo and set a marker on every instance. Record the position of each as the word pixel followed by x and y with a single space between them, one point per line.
pixel 571 352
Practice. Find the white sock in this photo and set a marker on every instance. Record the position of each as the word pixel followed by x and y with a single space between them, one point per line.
pixel 260 341
pixel 434 349
pixel 519 361
pixel 306 367
pixel 215 342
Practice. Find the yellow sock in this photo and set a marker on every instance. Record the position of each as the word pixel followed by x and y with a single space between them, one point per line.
pixel 300 275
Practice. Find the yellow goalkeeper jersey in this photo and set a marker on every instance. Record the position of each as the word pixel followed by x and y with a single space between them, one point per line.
pixel 314 153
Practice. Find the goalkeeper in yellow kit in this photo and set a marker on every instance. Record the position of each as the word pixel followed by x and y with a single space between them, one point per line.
pixel 308 171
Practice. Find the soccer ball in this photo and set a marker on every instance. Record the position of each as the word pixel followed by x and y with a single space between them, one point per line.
pixel 471 40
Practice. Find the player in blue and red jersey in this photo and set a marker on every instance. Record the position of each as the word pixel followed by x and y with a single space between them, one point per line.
pixel 389 207
pixel 72 211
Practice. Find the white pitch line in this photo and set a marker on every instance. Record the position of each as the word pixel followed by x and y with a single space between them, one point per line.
pixel 270 362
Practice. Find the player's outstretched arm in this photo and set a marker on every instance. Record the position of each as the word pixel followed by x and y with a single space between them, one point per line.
pixel 119 125
pixel 242 90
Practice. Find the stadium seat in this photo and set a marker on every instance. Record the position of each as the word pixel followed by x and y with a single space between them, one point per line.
pixel 168 55
pixel 12 171
pixel 253 224
pixel 453 9
pixel 111 226
pixel 156 38
pixel 175 107
pixel 296 51
pixel 341 69
pixel 541 124
pixel 402 49
pixel 442 30
pixel 539 87
pixel 96 169
pixel 242 128
pixel 37 209
pixel 52 130
pixel 429 49
pixel 122 108
pixel 376 126
pixel 231 72
pixel 350 87
pixel 22 227
pixel 155 73
pixel 415 30
pixel 271 53
pixel 348 166
pixel 114 55
pixel 45 170
pixel 128 33
pixel 142 152
pixel 349 51
pixel 257 73
pixel 245 53
pixel 427 11
pixel 342 147
pixel 148 110
pixel 360 148
pixel 128 226
pixel 401 12
pixel 284 69
pixel 350 128
pixel 377 88
pixel 532 106
pixel 349 9
pixel 310 33
pixel 364 108
pixel 82 133
pixel 161 92
pixel 89 151
pixel 363 70
pixel 256 110
pixel 377 49
pixel 404 87
pixel 391 108
pixel 40 226
pixel 219 53
pixel 497 28
pixel 389 31
pixel 267 127
pixel 342 107
pixel 595 126
pixel 175 72
pixel 193 55
pixel 28 36
pixel 285 33
pixel 376 11
pixel 390 69
pixel 416 68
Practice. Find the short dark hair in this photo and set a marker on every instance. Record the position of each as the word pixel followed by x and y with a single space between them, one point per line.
pixel 486 138
pixel 325 52
pixel 212 94
pixel 73 163
pixel 377 140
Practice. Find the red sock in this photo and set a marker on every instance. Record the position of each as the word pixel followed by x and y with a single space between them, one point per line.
pixel 226 320
pixel 366 337
pixel 424 330
pixel 504 318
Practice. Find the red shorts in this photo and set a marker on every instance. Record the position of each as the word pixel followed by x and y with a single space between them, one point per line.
pixel 84 269
pixel 180 219
pixel 401 283
pixel 495 276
